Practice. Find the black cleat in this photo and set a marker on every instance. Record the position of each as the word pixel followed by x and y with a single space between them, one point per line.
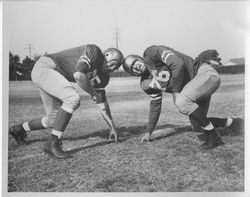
pixel 237 126
pixel 213 139
pixel 202 136
pixel 220 131
pixel 19 134
pixel 53 148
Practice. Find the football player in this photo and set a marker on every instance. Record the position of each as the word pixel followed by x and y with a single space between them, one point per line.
pixel 191 82
pixel 86 65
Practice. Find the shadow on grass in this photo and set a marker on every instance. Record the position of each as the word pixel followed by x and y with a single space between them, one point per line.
pixel 176 131
pixel 100 143
pixel 125 133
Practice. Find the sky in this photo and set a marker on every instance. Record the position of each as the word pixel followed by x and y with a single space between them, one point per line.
pixel 189 26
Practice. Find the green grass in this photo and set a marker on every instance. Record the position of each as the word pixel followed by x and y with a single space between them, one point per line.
pixel 172 162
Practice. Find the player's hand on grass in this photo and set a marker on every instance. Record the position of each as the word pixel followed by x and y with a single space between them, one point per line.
pixel 113 135
pixel 146 138
pixel 96 98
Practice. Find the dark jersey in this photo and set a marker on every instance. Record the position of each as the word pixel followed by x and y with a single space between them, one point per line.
pixel 87 59
pixel 171 69
pixel 149 86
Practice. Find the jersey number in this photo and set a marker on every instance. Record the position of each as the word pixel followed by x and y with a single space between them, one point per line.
pixel 154 84
pixel 162 76
pixel 94 78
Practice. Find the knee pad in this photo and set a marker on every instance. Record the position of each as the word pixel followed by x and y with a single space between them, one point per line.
pixel 48 121
pixel 185 105
pixel 71 103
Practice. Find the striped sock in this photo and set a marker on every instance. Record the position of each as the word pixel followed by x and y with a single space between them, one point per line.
pixel 209 127
pixel 57 133
pixel 26 126
pixel 229 122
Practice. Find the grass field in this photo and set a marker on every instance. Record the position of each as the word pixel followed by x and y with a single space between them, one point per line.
pixel 172 162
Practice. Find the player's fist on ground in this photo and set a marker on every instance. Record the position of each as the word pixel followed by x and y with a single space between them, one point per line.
pixel 113 135
pixel 146 138
pixel 96 98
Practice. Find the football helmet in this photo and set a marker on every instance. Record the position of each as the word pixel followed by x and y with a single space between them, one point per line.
pixel 113 59
pixel 209 56
pixel 134 65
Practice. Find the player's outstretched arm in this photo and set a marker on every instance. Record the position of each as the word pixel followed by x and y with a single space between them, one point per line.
pixel 154 114
pixel 106 114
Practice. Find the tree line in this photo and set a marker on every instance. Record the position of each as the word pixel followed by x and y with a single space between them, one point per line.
pixel 20 70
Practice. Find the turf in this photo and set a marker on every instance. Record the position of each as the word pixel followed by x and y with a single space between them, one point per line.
pixel 172 162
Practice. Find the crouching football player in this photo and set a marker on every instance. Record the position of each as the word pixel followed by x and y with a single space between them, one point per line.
pixel 89 68
pixel 191 82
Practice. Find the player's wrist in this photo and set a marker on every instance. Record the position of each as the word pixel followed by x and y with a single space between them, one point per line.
pixel 93 94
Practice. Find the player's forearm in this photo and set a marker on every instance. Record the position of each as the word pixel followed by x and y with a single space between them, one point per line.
pixel 106 114
pixel 177 78
pixel 154 114
pixel 84 83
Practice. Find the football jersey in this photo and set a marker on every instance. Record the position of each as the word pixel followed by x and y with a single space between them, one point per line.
pixel 171 69
pixel 87 59
pixel 150 87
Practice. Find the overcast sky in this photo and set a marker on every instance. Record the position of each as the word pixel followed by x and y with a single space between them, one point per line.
pixel 188 26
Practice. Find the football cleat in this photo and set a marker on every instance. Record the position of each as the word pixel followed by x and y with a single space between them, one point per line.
pixel 19 134
pixel 237 126
pixel 202 136
pixel 53 149
pixel 220 131
pixel 213 139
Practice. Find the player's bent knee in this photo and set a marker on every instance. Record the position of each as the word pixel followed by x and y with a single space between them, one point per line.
pixel 182 102
pixel 75 101
pixel 71 103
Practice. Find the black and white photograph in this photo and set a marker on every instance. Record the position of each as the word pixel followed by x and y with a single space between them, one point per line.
pixel 137 97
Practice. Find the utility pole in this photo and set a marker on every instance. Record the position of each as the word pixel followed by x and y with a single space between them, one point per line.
pixel 30 48
pixel 116 36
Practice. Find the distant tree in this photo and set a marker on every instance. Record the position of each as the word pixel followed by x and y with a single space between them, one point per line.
pixel 27 66
pixel 14 67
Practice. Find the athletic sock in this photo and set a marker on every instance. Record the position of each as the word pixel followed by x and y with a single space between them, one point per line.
pixel 199 116
pixel 209 127
pixel 57 133
pixel 229 122
pixel 62 119
pixel 35 124
pixel 26 126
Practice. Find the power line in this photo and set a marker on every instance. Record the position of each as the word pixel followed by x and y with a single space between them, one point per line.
pixel 30 48
pixel 116 36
